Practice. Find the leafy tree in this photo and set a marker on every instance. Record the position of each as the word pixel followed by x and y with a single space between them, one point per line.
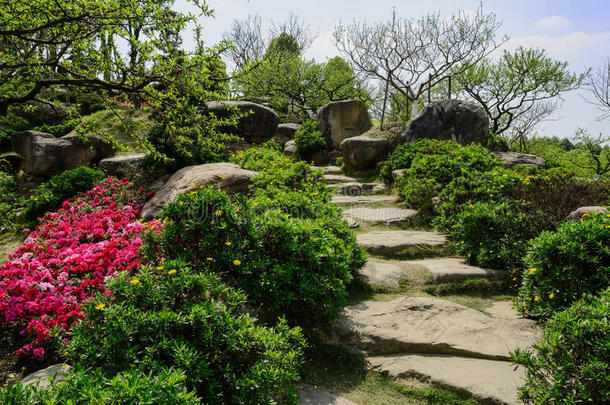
pixel 410 56
pixel 51 43
pixel 519 90
pixel 295 87
pixel 596 153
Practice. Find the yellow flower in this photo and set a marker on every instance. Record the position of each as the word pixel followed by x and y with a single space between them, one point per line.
pixel 236 262
pixel 172 271
pixel 100 306
pixel 159 267
pixel 218 213
pixel 228 243
pixel 514 308
pixel 209 259
pixel 536 298
pixel 523 304
pixel 551 295
pixel 532 270
pixel 134 281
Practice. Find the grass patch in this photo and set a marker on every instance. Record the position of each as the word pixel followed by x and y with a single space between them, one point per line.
pixel 133 121
pixel 424 252
pixel 337 370
pixel 8 243
pixel 499 284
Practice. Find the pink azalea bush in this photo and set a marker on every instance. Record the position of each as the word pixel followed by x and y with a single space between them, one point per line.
pixel 66 260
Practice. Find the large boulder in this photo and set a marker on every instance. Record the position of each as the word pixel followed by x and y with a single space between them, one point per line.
pixel 257 126
pixel 456 120
pixel 285 133
pixel 37 113
pixel 363 153
pixel 123 166
pixel 45 155
pixel 513 158
pixel 225 176
pixel 339 120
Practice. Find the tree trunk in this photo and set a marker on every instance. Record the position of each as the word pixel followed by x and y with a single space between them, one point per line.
pixel 385 100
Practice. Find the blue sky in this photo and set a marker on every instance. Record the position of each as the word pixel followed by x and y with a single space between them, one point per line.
pixel 574 31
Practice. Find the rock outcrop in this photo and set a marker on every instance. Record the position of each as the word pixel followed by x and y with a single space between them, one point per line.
pixel 225 176
pixel 123 166
pixel 257 126
pixel 514 158
pixel 45 155
pixel 459 121
pixel 339 120
pixel 364 153
pixel 285 133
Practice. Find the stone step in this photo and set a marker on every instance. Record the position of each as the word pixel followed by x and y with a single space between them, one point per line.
pixel 357 189
pixel 489 381
pixel 434 326
pixel 339 179
pixel 328 169
pixel 346 200
pixel 391 216
pixel 451 269
pixel 313 396
pixel 379 274
pixel 393 242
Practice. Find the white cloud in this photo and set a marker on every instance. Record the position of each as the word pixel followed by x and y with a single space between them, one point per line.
pixel 575 47
pixel 323 47
pixel 553 22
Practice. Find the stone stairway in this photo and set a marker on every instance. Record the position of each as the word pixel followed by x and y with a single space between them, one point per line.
pixel 425 338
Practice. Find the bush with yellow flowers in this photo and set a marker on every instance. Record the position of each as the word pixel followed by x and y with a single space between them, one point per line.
pixel 170 317
pixel 563 265
pixel 569 364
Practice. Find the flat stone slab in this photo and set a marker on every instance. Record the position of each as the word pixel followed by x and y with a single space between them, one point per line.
pixel 354 189
pixel 489 381
pixel 392 216
pixel 314 396
pixel 338 178
pixel 389 242
pixel 364 199
pixel 433 326
pixel 502 310
pixel 329 169
pixel 41 378
pixel 380 274
pixel 451 269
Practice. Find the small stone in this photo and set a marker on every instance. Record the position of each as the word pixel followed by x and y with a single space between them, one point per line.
pixel 582 211
pixel 42 377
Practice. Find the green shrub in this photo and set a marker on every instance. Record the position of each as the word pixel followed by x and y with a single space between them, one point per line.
pixel 563 265
pixel 557 193
pixel 170 317
pixel 293 266
pixel 10 203
pixel 497 143
pixel 261 159
pixel 494 235
pixel 495 185
pixel 53 193
pixel 438 167
pixel 569 364
pixel 92 387
pixel 418 193
pixel 60 129
pixel 403 155
pixel 309 140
